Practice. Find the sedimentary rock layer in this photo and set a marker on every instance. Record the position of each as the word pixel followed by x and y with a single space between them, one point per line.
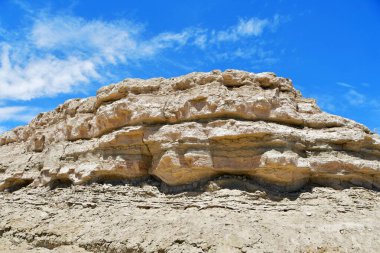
pixel 124 218
pixel 188 129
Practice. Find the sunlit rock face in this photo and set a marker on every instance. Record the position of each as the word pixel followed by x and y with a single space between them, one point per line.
pixel 188 129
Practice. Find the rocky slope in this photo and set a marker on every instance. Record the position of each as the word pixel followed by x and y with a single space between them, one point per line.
pixel 184 131
pixel 105 218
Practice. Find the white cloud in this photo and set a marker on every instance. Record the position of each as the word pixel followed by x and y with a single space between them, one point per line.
pixel 201 41
pixel 253 26
pixel 112 41
pixel 343 84
pixel 246 28
pixel 342 103
pixel 17 113
pixel 250 27
pixel 40 77
pixel 3 129
pixel 355 98
pixel 62 53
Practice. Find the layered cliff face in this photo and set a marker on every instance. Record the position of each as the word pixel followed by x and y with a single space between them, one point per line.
pixel 189 129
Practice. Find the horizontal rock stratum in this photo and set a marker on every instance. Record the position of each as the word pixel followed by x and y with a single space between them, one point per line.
pixel 189 129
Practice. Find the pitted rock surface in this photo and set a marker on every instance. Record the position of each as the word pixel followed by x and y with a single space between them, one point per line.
pixel 190 129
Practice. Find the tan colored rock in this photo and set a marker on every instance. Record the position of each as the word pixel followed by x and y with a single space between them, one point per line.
pixel 189 129
pixel 125 218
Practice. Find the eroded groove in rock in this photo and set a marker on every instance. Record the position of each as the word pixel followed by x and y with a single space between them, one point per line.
pixel 188 129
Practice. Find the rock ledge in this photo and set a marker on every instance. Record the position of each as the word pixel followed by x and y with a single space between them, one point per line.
pixel 189 129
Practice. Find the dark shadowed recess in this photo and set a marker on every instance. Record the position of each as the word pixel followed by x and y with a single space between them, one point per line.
pixel 15 184
pixel 233 182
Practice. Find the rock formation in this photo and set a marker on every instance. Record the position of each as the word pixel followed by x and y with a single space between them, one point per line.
pixel 125 218
pixel 189 129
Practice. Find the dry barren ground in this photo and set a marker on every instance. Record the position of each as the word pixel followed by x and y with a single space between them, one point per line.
pixel 105 218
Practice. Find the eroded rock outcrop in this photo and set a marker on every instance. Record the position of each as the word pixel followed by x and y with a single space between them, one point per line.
pixel 188 129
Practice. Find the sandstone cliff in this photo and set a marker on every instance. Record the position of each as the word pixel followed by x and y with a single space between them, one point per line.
pixel 188 129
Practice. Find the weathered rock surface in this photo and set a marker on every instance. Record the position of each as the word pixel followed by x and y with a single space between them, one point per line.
pixel 105 218
pixel 189 129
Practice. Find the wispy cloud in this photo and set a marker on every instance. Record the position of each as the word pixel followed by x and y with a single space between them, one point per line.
pixel 107 41
pixel 3 129
pixel 343 84
pixel 251 27
pixel 45 76
pixel 351 98
pixel 245 28
pixel 61 53
pixel 355 98
pixel 17 113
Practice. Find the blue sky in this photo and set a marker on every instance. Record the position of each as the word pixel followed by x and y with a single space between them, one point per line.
pixel 51 51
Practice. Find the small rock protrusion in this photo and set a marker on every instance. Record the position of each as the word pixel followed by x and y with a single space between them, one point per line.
pixel 37 143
